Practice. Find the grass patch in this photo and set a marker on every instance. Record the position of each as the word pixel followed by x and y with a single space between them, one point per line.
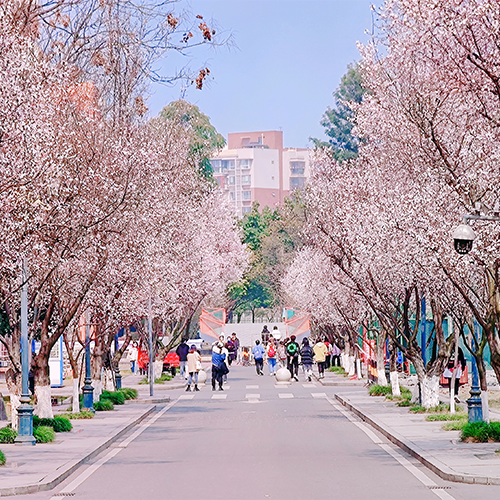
pixel 79 415
pixel 380 390
pixel 456 425
pixel 2 458
pixel 104 405
pixel 129 393
pixel 7 435
pixel 165 377
pixel 444 417
pixel 44 434
pixel 481 432
pixel 404 402
pixel 337 369
pixel 116 397
pixel 58 423
pixel 440 408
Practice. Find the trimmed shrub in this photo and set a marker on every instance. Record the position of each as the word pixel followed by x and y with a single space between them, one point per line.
pixel 80 415
pixel 404 402
pixel 481 432
pixel 380 390
pixel 7 435
pixel 456 425
pixel 2 458
pixel 117 398
pixel 128 392
pixel 444 417
pixel 58 423
pixel 44 434
pixel 104 405
pixel 337 369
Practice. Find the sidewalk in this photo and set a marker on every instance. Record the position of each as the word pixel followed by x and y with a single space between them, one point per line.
pixel 31 469
pixel 439 450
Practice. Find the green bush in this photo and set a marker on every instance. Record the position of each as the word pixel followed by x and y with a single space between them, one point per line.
pixel 79 415
pixel 444 417
pixel 58 423
pixel 44 434
pixel 404 402
pixel 128 392
pixel 380 390
pixel 7 435
pixel 337 369
pixel 104 405
pixel 117 398
pixel 165 377
pixel 2 458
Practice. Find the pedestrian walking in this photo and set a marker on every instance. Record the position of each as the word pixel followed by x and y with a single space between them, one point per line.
pixel 232 346
pixel 182 351
pixel 219 368
pixel 448 372
pixel 276 333
pixel 292 357
pixel 336 351
pixel 271 355
pixel 258 355
pixel 307 358
pixel 281 349
pixel 328 359
pixel 264 334
pixel 193 367
pixel 320 352
pixel 133 354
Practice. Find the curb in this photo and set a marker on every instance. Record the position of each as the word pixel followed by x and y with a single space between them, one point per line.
pixel 436 466
pixel 56 477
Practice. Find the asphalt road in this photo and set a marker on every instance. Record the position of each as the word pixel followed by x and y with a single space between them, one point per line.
pixel 257 440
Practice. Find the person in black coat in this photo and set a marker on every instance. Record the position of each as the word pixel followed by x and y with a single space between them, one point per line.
pixel 307 358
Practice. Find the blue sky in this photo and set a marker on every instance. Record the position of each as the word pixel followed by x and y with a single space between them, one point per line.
pixel 289 58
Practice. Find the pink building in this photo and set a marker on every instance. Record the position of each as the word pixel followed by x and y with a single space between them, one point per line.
pixel 256 167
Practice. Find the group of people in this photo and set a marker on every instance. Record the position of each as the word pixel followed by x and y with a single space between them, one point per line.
pixel 223 355
pixel 289 353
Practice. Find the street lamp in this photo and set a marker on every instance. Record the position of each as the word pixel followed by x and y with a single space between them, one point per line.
pixel 463 238
pixel 88 390
pixel 25 410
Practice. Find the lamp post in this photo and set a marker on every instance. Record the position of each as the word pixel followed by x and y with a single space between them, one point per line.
pixel 25 410
pixel 88 390
pixel 463 238
pixel 118 377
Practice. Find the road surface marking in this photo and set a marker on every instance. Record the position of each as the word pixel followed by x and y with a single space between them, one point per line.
pixel 318 395
pixel 252 396
pixel 285 395
pixel 396 454
pixel 307 386
pixel 186 396
pixel 94 467
pixel 252 387
pixel 219 396
pixel 282 386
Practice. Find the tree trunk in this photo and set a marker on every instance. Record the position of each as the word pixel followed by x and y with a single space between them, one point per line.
pixel 429 386
pixel 380 355
pixel 157 368
pixel 43 407
pixel 13 380
pixel 76 395
pixel 393 369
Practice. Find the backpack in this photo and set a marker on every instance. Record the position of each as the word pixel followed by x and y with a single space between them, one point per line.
pixel 271 352
pixel 291 349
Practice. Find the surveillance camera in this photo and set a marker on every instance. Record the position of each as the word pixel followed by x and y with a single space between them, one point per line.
pixel 463 236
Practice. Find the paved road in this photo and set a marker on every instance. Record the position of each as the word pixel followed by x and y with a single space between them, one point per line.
pixel 258 440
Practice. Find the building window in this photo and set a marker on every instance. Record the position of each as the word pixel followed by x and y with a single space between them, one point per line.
pixel 245 163
pixel 247 195
pixel 246 210
pixel 231 196
pixel 297 167
pixel 229 164
pixel 297 183
pixel 246 179
pixel 216 165
pixel 231 180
